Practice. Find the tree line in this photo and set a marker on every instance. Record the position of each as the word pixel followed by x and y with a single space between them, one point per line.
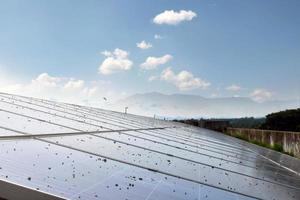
pixel 288 120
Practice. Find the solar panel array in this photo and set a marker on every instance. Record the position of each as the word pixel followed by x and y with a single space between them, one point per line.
pixel 78 152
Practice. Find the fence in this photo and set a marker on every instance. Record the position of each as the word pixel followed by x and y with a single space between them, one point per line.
pixel 289 141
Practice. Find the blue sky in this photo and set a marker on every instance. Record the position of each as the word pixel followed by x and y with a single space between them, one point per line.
pixel 230 48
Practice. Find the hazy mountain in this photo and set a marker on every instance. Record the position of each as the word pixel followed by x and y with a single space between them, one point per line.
pixel 178 105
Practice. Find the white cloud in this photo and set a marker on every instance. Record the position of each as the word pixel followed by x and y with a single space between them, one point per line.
pixel 153 62
pixel 74 85
pixel 233 88
pixel 184 80
pixel 172 17
pixel 144 45
pixel 91 91
pixel 152 78
pixel 116 61
pixel 106 53
pixel 45 79
pixel 261 95
pixel 158 37
pixel 66 89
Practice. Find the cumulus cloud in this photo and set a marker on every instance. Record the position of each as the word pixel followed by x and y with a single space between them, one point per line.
pixel 48 85
pixel 261 95
pixel 184 80
pixel 172 17
pixel 158 37
pixel 154 62
pixel 233 88
pixel 74 85
pixel 106 53
pixel 152 78
pixel 91 91
pixel 66 89
pixel 45 79
pixel 116 61
pixel 144 45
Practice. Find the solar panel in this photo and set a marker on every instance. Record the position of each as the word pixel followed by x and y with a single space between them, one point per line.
pixel 76 152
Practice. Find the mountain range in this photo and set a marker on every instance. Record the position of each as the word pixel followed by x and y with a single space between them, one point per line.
pixel 192 106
